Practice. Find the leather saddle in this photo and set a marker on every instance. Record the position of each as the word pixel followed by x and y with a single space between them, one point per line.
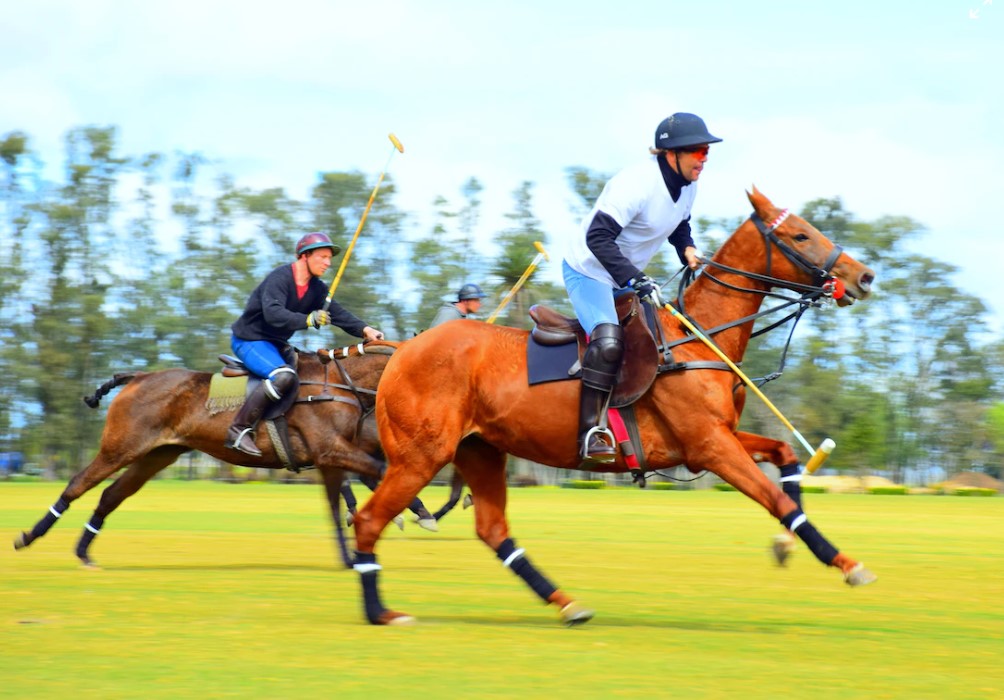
pixel 641 355
pixel 233 367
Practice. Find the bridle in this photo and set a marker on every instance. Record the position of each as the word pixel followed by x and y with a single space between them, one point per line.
pixel 823 282
pixel 824 286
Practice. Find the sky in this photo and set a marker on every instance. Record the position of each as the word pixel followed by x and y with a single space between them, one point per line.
pixel 895 107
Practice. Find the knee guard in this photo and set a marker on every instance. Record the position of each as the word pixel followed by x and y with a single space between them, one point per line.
pixel 280 382
pixel 603 356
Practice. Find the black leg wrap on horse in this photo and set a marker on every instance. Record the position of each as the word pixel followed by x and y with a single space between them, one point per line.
pixel 91 530
pixel 43 525
pixel 447 507
pixel 348 496
pixel 515 559
pixel 368 570
pixel 791 482
pixel 817 544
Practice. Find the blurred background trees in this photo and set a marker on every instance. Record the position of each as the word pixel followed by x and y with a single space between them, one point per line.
pixel 143 262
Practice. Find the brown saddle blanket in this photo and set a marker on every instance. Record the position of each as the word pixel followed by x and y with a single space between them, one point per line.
pixel 558 342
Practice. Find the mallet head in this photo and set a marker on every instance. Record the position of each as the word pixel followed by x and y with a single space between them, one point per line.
pixel 397 144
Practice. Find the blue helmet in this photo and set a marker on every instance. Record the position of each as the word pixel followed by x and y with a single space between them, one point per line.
pixel 681 130
pixel 470 291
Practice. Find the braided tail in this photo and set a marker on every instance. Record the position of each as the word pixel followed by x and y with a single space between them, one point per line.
pixel 118 380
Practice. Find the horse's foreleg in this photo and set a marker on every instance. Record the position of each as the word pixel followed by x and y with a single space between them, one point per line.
pixel 780 454
pixel 131 481
pixel 456 487
pixel 484 468
pixel 100 468
pixel 736 468
pixel 335 485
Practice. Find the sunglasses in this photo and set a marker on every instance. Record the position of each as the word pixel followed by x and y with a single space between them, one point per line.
pixel 701 150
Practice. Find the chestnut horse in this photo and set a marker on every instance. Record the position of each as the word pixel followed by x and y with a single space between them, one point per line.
pixel 161 415
pixel 458 393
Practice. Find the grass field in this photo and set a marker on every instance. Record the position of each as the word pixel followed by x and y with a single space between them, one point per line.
pixel 233 590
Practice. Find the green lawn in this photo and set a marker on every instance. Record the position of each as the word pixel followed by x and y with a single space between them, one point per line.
pixel 233 590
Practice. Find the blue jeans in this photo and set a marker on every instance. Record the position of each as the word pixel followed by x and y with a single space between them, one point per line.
pixel 592 299
pixel 261 357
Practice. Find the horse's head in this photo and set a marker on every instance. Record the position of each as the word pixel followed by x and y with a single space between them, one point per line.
pixel 806 255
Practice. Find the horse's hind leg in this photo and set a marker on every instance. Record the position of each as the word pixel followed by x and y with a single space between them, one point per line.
pixel 484 468
pixel 780 454
pixel 131 481
pixel 100 468
pixel 399 486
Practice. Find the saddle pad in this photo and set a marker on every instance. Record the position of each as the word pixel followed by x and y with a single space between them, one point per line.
pixel 550 363
pixel 225 393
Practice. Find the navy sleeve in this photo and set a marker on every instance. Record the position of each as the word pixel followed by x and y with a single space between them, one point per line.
pixel 601 238
pixel 681 239
pixel 274 294
pixel 345 320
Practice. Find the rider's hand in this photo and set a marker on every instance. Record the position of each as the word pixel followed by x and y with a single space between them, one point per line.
pixel 370 333
pixel 693 257
pixel 318 318
pixel 644 286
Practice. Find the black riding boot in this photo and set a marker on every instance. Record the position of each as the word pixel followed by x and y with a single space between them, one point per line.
pixel 240 436
pixel 600 364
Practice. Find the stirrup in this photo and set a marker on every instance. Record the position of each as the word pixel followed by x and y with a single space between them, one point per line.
pixel 596 431
pixel 236 444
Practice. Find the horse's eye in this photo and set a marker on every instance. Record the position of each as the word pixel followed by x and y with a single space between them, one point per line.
pixel 801 237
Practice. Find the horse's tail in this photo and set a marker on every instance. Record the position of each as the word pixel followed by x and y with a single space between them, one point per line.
pixel 118 380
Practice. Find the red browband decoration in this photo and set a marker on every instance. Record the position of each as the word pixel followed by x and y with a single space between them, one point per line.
pixel 779 220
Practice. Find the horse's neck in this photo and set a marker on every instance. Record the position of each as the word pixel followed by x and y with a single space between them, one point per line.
pixel 712 304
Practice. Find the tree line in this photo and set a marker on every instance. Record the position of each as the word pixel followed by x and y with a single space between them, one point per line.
pixel 142 262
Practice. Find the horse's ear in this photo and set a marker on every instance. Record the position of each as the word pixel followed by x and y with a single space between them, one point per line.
pixel 761 205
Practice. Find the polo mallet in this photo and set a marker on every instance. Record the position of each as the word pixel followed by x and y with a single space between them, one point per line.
pixel 541 255
pixel 397 147
pixel 825 448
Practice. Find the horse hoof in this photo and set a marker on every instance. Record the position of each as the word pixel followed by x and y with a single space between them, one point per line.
pixel 576 614
pixel 427 524
pixel 468 501
pixel 783 547
pixel 89 564
pixel 399 521
pixel 397 619
pixel 349 519
pixel 859 576
pixel 21 541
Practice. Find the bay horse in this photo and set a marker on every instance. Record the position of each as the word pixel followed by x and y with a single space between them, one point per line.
pixel 161 415
pixel 459 393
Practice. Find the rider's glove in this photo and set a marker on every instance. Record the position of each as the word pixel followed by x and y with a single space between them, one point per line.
pixel 645 287
pixel 318 318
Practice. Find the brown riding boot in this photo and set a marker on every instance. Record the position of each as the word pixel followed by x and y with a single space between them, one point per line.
pixel 600 364
pixel 240 435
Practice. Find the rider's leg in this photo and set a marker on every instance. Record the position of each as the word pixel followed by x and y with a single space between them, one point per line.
pixel 263 359
pixel 593 301
pixel 600 363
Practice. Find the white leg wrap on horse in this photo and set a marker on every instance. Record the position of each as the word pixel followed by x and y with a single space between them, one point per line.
pixel 797 522
pixel 91 528
pixel 366 568
pixel 55 512
pixel 513 557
